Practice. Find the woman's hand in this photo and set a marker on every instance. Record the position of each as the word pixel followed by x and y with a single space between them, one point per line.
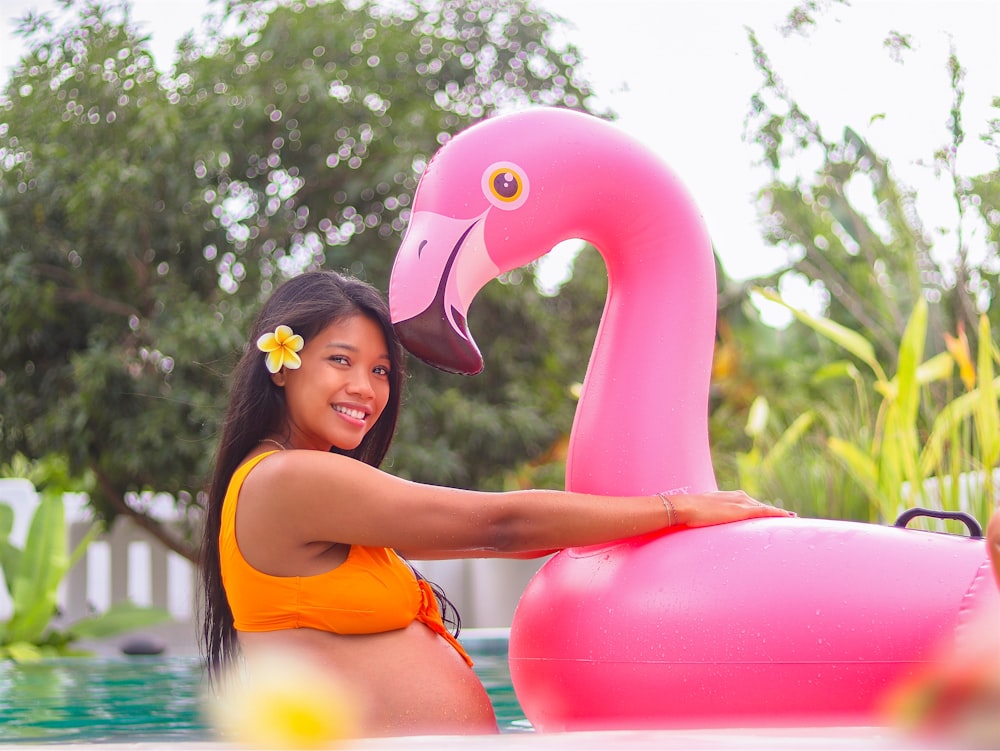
pixel 719 507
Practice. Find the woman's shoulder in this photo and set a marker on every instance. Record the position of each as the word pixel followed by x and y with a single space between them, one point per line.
pixel 283 460
pixel 305 496
pixel 274 469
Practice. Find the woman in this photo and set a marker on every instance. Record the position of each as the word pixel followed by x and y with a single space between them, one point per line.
pixel 302 528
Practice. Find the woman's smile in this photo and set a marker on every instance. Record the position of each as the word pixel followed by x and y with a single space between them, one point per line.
pixel 352 414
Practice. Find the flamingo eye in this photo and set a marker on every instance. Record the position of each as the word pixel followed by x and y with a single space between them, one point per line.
pixel 505 185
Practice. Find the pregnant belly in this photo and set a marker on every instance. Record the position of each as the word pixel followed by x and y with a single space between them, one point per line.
pixel 406 682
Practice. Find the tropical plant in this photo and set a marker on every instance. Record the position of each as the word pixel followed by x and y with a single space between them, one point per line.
pixel 762 388
pixel 33 573
pixel 761 462
pixel 854 235
pixel 897 458
pixel 853 230
pixel 32 576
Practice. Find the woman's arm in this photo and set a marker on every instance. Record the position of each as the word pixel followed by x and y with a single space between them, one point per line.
pixel 304 497
pixel 696 510
pixel 436 555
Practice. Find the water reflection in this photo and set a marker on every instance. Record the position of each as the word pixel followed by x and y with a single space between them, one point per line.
pixel 156 699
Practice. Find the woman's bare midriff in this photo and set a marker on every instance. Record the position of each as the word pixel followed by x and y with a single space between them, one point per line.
pixel 408 682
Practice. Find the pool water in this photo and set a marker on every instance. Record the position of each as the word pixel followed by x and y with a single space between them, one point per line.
pixel 77 700
pixel 158 699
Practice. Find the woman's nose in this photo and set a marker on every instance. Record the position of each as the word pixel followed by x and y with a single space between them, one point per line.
pixel 361 383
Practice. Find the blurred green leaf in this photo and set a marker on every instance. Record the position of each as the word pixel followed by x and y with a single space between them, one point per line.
pixel 860 465
pixel 44 562
pixel 119 618
pixel 851 341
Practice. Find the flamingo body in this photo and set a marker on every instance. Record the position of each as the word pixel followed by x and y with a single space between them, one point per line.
pixel 802 620
pixel 765 622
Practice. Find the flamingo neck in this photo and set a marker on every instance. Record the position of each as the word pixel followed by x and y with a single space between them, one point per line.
pixel 641 425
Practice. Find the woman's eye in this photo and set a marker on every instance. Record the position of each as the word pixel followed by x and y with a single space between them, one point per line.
pixel 381 370
pixel 339 359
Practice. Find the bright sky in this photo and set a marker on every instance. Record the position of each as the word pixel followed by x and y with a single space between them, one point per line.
pixel 680 75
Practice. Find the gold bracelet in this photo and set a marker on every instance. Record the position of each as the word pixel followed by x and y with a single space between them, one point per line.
pixel 669 507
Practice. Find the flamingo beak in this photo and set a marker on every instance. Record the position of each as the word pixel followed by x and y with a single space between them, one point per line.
pixel 433 337
pixel 439 268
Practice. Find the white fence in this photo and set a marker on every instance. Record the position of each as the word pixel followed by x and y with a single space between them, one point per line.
pixel 127 563
pixel 970 485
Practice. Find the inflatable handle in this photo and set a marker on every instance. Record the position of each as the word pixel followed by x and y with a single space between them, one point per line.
pixel 975 529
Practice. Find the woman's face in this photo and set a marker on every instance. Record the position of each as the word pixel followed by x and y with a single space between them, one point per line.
pixel 340 390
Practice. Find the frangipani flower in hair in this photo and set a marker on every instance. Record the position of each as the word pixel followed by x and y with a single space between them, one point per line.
pixel 282 348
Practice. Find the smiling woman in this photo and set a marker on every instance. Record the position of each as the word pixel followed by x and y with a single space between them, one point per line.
pixel 300 547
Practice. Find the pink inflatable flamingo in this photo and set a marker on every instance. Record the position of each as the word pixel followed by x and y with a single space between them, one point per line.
pixel 757 622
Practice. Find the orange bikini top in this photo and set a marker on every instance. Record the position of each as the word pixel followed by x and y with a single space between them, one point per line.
pixel 370 592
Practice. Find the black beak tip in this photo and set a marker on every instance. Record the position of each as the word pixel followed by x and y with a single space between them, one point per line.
pixel 431 338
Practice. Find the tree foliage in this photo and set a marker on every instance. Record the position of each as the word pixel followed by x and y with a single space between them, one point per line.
pixel 873 264
pixel 144 215
pixel 853 231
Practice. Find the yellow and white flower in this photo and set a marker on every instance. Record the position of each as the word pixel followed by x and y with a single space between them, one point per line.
pixel 282 349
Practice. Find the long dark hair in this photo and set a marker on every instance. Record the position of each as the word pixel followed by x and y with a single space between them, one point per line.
pixel 307 303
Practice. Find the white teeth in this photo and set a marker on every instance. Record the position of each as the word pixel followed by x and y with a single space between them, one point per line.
pixel 357 414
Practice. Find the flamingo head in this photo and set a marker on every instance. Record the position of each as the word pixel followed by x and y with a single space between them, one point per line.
pixel 488 202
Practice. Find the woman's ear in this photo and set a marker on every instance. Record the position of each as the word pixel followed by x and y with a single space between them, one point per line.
pixel 278 379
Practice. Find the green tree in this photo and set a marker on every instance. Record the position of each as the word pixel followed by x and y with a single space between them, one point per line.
pixel 870 265
pixel 143 216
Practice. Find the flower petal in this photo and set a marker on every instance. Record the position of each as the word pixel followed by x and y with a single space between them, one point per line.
pixel 292 360
pixel 267 343
pixel 282 333
pixel 273 359
pixel 294 343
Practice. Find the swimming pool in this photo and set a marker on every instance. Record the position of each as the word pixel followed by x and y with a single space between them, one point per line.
pixel 158 699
